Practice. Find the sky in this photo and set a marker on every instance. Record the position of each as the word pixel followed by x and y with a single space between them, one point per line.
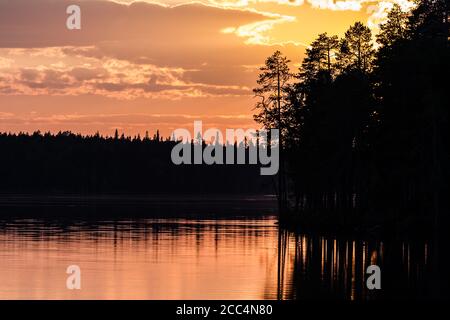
pixel 139 66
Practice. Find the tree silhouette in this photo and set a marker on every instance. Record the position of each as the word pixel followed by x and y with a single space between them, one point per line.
pixel 394 29
pixel 366 129
pixel 68 163
pixel 356 49
pixel 273 83
pixel 319 58
pixel 273 87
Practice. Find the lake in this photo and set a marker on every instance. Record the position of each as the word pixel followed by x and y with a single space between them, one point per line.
pixel 200 257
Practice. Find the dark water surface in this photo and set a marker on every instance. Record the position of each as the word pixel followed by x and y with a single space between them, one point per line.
pixel 199 257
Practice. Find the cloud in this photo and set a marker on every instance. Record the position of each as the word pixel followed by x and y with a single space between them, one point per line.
pixel 5 62
pixel 6 115
pixel 377 9
pixel 109 77
pixel 133 59
pixel 42 23
pixel 255 33
pixel 129 51
pixel 149 50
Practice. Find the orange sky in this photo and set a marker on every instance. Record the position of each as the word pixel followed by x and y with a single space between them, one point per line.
pixel 152 65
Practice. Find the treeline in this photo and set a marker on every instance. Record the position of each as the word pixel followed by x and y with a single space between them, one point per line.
pixel 365 123
pixel 71 163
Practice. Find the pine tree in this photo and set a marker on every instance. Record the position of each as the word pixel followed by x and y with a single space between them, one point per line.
pixel 356 49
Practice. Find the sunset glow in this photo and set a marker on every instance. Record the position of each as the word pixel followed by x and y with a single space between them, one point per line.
pixel 139 66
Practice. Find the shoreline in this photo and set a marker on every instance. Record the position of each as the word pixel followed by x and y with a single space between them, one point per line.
pixel 77 205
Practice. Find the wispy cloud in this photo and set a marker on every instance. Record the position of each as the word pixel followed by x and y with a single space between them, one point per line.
pixel 256 32
pixel 105 76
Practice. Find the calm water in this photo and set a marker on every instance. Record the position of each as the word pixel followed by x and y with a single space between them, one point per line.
pixel 199 258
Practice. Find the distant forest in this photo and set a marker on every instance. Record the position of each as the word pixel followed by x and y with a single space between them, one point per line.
pixel 364 123
pixel 68 163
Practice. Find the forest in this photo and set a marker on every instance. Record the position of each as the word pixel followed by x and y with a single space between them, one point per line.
pixel 68 163
pixel 364 122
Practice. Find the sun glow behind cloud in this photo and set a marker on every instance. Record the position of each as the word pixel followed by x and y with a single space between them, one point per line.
pixel 172 58
pixel 374 13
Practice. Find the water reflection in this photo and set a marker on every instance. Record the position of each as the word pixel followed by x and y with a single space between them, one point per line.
pixel 139 259
pixel 314 267
pixel 198 258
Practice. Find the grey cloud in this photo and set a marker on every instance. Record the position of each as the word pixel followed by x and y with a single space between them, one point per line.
pixel 186 36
